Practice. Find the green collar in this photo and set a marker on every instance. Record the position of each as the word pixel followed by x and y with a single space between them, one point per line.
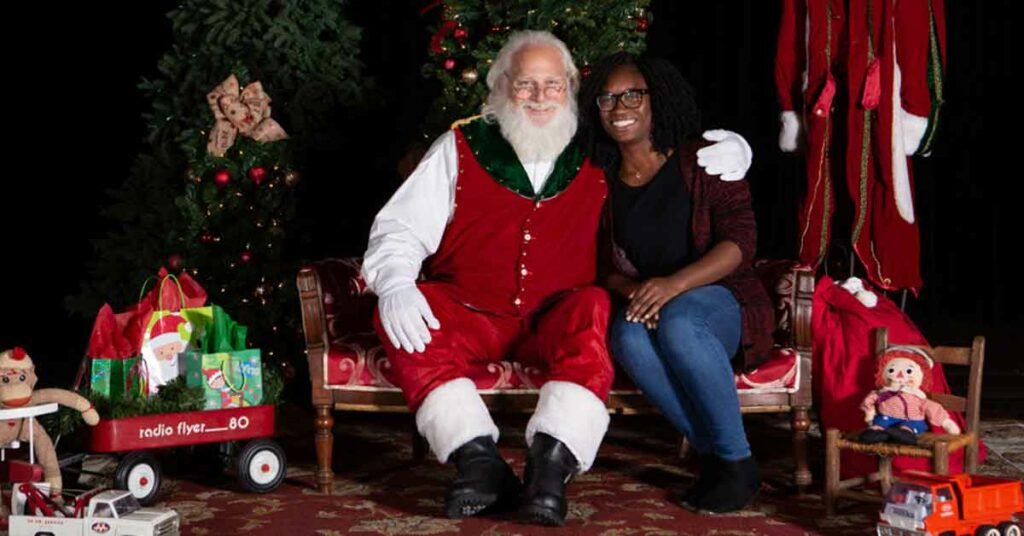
pixel 499 159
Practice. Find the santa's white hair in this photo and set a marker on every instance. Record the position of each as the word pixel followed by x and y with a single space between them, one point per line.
pixel 531 142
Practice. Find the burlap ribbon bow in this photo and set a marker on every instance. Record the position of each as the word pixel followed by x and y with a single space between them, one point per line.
pixel 246 112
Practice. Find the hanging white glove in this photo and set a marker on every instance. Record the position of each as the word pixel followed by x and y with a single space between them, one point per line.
pixel 914 127
pixel 790 132
pixel 855 286
pixel 405 315
pixel 730 157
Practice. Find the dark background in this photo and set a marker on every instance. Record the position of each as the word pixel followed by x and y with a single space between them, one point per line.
pixel 74 126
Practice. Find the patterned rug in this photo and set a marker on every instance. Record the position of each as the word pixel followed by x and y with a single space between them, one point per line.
pixel 630 490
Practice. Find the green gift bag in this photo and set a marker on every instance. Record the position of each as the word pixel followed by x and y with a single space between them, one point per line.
pixel 228 379
pixel 115 379
pixel 230 375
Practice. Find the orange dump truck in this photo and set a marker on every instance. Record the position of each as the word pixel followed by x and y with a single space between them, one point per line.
pixel 923 504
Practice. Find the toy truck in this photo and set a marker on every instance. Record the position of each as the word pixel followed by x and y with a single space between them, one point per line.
pixel 103 513
pixel 923 504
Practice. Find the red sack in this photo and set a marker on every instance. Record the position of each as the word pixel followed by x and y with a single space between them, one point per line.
pixel 845 370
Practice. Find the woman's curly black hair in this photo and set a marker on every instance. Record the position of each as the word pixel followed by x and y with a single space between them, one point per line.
pixel 674 114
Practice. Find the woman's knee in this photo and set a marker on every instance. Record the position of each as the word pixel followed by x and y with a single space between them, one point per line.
pixel 702 304
pixel 627 340
pixel 703 314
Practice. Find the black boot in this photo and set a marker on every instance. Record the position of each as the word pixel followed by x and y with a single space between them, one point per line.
pixel 898 434
pixel 705 479
pixel 873 436
pixel 485 480
pixel 737 483
pixel 549 468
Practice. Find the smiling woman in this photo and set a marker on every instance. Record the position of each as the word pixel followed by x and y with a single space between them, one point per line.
pixel 682 243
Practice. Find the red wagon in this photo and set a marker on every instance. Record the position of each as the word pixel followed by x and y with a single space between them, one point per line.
pixel 260 463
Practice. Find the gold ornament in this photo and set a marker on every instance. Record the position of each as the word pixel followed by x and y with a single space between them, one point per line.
pixel 470 76
pixel 291 178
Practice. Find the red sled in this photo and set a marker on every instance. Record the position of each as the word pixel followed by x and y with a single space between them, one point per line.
pixel 260 463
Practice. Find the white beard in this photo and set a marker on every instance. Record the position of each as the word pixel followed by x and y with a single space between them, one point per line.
pixel 531 142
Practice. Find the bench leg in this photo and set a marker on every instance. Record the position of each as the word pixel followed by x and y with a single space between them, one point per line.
pixel 801 422
pixel 684 447
pixel 324 439
pixel 831 470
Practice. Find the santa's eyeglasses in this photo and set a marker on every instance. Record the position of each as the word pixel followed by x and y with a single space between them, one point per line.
pixel 528 88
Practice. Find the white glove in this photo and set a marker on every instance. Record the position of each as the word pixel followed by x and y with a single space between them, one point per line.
pixel 405 315
pixel 950 427
pixel 730 157
pixel 790 132
pixel 855 286
pixel 914 127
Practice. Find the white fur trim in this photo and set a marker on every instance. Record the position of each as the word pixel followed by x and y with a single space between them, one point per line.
pixel 166 338
pixel 789 134
pixel 573 415
pixel 900 173
pixel 453 414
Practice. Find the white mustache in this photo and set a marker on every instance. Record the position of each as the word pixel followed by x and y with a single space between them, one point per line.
pixel 540 106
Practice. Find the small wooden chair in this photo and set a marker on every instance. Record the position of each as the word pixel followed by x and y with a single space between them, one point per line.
pixel 930 445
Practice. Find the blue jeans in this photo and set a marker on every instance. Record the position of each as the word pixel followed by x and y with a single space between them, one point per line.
pixel 683 367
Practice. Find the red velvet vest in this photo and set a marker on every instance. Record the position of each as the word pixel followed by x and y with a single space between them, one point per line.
pixel 508 253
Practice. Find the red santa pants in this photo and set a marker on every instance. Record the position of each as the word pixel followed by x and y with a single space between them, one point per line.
pixel 565 338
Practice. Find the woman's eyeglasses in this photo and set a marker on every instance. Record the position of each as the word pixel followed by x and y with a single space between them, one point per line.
pixel 631 98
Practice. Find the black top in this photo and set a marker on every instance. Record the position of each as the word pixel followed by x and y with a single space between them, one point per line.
pixel 651 223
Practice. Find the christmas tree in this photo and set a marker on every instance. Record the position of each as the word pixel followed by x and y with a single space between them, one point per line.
pixel 471 32
pixel 247 87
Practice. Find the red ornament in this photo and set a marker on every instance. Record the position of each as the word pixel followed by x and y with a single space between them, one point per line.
pixel 461 34
pixel 175 261
pixel 495 29
pixel 585 71
pixel 449 64
pixel 642 24
pixel 257 174
pixel 246 256
pixel 207 238
pixel 222 178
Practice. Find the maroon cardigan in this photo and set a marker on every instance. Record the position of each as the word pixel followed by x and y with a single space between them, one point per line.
pixel 721 210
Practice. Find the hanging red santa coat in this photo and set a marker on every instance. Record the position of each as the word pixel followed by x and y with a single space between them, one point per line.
pixel 861 73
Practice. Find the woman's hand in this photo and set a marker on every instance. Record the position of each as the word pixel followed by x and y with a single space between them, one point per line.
pixel 652 322
pixel 648 298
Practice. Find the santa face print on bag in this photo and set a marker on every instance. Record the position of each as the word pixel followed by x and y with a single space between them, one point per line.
pixel 161 346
